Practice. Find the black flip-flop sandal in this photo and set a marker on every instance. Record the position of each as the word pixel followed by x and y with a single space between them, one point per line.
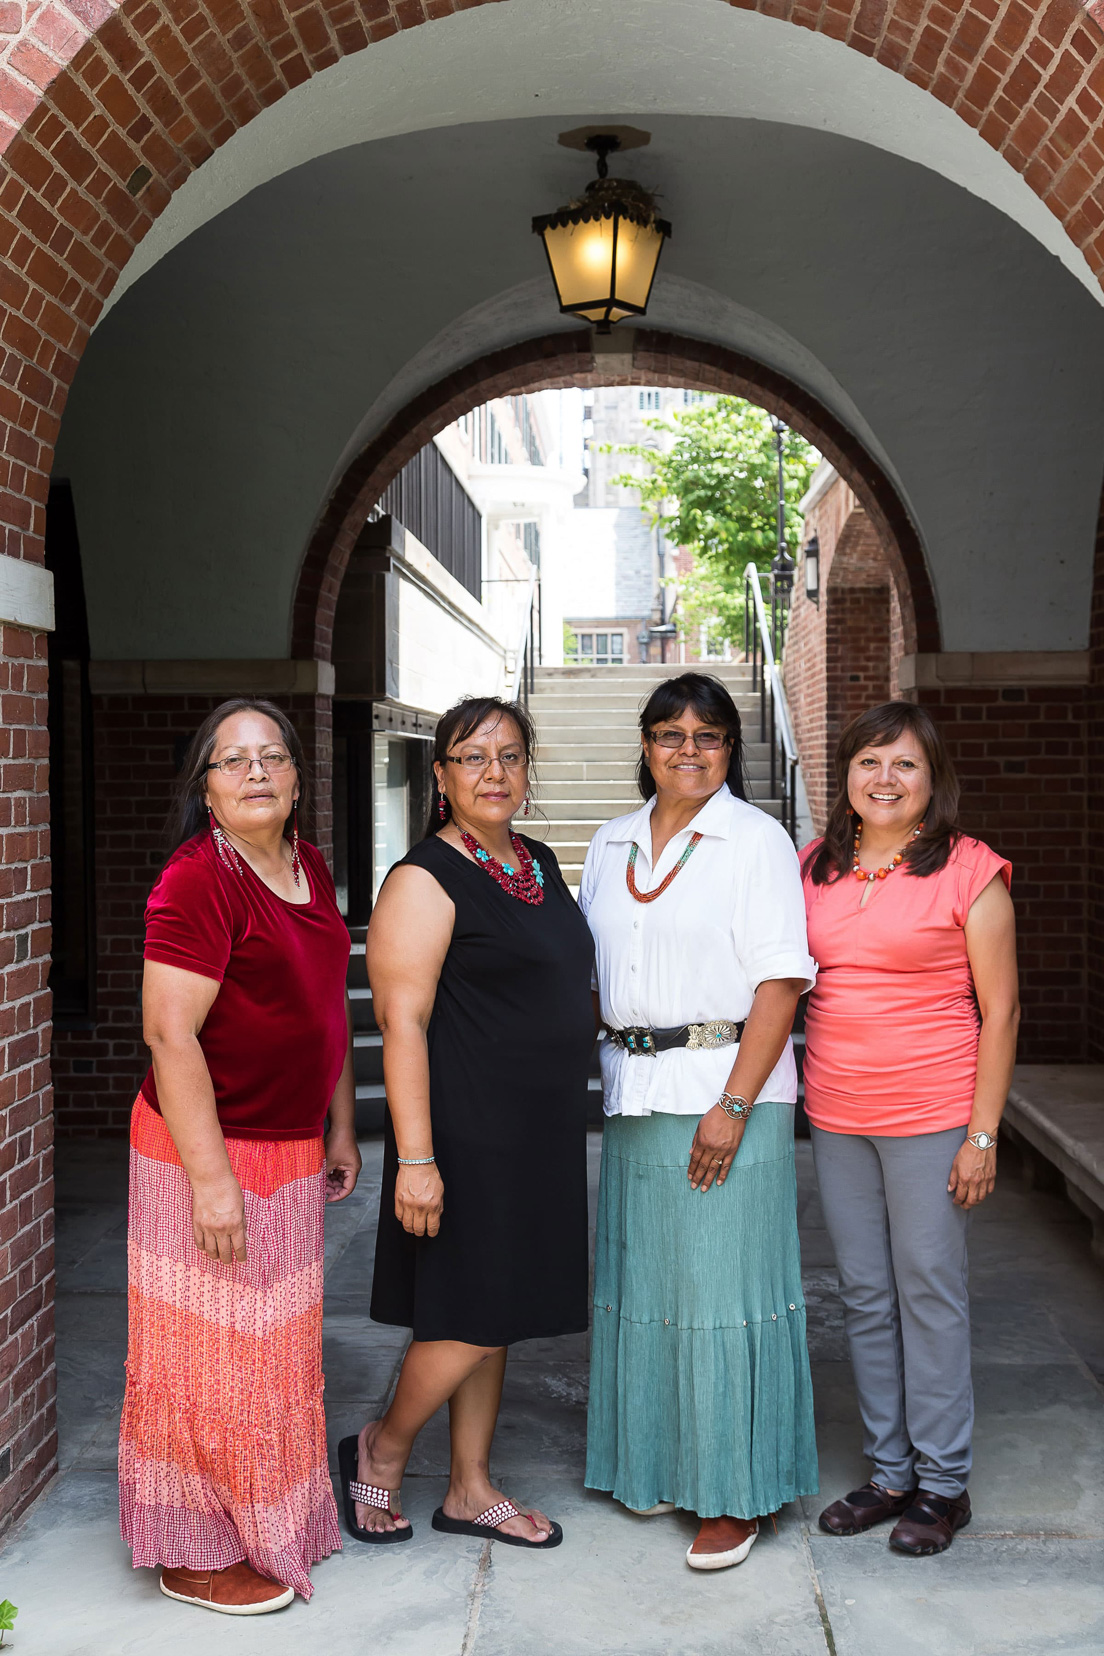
pixel 486 1526
pixel 352 1491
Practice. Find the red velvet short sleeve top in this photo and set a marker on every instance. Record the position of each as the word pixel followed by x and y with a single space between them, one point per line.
pixel 275 1038
pixel 891 1033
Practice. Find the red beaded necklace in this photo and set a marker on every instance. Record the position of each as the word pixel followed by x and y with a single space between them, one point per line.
pixel 526 882
pixel 865 875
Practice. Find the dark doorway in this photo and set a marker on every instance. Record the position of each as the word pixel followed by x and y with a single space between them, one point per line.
pixel 72 817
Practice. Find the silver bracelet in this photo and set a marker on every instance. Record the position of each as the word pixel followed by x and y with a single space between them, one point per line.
pixel 735 1107
pixel 416 1161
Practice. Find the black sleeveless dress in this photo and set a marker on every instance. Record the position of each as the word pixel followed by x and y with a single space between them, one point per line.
pixel 510 1040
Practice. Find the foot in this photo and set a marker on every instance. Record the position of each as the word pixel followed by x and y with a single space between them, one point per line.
pixel 929 1522
pixel 237 1591
pixel 864 1508
pixel 470 1503
pixel 376 1466
pixel 722 1542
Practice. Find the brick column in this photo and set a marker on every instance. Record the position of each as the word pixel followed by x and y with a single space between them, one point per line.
pixel 1017 727
pixel 144 715
pixel 28 1438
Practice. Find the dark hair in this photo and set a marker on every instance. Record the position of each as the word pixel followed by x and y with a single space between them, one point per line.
pixel 188 815
pixel 708 698
pixel 877 727
pixel 458 724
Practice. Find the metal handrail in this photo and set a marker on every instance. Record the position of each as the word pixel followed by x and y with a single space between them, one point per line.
pixel 773 709
pixel 521 684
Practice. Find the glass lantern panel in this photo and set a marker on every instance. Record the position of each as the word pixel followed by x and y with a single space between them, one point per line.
pixel 638 250
pixel 581 256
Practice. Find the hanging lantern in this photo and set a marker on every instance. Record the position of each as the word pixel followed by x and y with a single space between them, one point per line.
pixel 604 248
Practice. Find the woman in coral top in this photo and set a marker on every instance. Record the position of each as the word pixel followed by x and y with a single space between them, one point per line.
pixel 910 1043
pixel 242 1129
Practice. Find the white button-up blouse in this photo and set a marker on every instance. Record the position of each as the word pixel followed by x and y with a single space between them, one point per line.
pixel 733 916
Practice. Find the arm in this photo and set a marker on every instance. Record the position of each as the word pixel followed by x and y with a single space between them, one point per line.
pixel 991 948
pixel 765 1035
pixel 342 1154
pixel 175 1004
pixel 408 939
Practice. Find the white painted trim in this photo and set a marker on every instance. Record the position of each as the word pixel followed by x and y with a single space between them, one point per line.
pixel 994 668
pixel 26 595
pixel 211 678
pixel 821 481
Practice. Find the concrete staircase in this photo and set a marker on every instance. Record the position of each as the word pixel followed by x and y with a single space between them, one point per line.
pixel 589 740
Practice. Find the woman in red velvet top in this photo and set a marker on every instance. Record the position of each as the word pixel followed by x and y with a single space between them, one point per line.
pixel 222 1453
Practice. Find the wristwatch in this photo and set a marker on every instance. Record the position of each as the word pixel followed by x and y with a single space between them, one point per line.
pixel 981 1141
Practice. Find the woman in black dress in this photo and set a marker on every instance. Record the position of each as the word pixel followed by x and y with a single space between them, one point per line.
pixel 480 964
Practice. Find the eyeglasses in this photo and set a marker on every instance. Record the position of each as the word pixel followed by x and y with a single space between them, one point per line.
pixel 273 763
pixel 707 740
pixel 473 762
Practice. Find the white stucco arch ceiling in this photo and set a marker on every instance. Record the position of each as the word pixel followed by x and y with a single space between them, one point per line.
pixel 631 58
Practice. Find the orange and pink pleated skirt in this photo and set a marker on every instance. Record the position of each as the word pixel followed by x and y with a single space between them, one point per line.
pixel 222 1445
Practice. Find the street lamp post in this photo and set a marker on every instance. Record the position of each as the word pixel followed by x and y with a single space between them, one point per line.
pixel 782 565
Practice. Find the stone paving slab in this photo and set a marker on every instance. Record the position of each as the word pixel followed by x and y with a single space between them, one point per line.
pixel 1026 1579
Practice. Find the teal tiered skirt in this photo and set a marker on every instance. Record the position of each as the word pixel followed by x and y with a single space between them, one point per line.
pixel 700 1391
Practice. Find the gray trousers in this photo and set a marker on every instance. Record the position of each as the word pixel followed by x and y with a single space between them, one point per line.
pixel 900 1245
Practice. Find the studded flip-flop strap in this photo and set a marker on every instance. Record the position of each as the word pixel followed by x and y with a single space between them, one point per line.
pixel 498 1514
pixel 371 1495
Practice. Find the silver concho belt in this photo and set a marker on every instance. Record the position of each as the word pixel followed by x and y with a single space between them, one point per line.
pixel 696 1037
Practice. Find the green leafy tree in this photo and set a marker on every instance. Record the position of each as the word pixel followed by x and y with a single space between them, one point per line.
pixel 714 492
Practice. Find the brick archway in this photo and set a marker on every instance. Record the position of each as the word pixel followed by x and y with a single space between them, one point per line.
pixel 105 110
pixel 647 357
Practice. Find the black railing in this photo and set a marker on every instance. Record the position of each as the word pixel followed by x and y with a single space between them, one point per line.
pixel 428 499
pixel 774 715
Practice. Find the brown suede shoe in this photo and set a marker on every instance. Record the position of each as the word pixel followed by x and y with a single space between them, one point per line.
pixel 237 1591
pixel 929 1523
pixel 862 1509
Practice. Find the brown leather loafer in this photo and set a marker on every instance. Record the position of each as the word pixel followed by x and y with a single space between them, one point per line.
pixel 929 1522
pixel 237 1591
pixel 862 1509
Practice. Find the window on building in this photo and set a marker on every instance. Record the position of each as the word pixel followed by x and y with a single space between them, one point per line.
pixel 690 397
pixel 530 537
pixel 647 400
pixel 594 649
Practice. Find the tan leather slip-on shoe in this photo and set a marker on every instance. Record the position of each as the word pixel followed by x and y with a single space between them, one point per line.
pixel 237 1591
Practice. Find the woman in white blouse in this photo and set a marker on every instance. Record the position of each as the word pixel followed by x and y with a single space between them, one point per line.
pixel 700 1396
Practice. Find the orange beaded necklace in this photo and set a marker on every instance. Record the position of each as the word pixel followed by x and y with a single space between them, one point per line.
pixel 868 875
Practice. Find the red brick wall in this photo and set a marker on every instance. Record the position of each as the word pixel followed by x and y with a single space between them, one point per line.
pixel 843 653
pixel 97 1072
pixel 1021 757
pixel 28 1442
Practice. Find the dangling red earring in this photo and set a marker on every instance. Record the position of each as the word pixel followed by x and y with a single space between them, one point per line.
pixel 295 863
pixel 227 855
pixel 528 803
pixel 442 809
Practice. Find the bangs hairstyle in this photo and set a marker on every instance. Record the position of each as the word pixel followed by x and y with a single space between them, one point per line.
pixel 708 698
pixel 463 721
pixel 880 727
pixel 188 815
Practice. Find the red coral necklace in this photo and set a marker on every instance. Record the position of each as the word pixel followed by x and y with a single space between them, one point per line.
pixel 526 882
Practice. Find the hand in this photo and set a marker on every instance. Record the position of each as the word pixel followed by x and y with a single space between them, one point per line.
pixel 714 1148
pixel 218 1219
pixel 973 1175
pixel 342 1164
pixel 420 1199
